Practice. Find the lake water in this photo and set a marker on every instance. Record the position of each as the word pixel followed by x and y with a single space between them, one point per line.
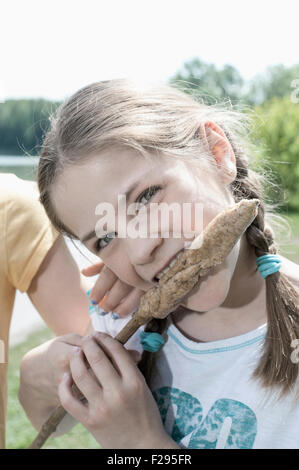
pixel 23 166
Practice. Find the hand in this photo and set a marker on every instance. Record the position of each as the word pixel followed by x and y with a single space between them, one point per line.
pixel 122 298
pixel 41 372
pixel 120 411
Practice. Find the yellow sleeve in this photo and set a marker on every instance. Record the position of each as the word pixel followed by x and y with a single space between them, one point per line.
pixel 28 232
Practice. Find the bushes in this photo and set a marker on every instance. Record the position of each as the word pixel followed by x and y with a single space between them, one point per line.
pixel 277 135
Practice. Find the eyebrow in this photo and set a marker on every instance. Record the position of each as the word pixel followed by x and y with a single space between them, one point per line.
pixel 127 193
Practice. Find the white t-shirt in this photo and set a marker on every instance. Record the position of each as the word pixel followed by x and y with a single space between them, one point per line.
pixel 205 393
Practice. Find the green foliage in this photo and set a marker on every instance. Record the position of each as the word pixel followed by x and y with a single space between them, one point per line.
pixel 209 81
pixel 215 84
pixel 286 229
pixel 277 135
pixel 276 81
pixel 23 122
pixel 22 125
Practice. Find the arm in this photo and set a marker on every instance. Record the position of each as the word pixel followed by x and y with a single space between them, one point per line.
pixel 59 294
pixel 58 291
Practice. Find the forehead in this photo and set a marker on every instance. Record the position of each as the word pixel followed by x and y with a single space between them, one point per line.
pixel 81 187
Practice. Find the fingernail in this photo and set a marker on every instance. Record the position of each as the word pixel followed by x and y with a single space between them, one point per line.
pixel 100 334
pixel 102 312
pixel 115 316
pixel 76 350
pixel 92 309
pixel 94 302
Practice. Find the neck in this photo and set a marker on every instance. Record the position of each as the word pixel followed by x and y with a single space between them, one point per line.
pixel 243 310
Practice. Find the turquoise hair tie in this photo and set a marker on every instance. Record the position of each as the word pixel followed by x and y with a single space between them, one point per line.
pixel 151 342
pixel 268 264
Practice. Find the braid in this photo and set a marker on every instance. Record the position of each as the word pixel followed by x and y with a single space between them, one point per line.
pixel 275 367
pixel 146 362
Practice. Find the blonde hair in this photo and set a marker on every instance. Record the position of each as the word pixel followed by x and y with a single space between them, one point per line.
pixel 161 119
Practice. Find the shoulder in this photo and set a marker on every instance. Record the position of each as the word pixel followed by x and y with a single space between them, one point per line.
pixel 27 233
pixel 19 201
pixel 290 269
pixel 16 192
pixel 11 183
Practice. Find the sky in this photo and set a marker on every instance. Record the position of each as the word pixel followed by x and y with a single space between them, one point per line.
pixel 50 49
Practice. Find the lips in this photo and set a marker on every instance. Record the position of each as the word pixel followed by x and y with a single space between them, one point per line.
pixel 165 265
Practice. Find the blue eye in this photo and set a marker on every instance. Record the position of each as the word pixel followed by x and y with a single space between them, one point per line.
pixel 142 200
pixel 98 247
pixel 149 191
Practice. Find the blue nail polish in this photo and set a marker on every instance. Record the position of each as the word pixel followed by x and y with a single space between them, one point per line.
pixel 94 302
pixel 92 309
pixel 115 316
pixel 102 312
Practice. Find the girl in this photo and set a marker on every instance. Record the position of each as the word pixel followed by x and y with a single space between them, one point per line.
pixel 225 375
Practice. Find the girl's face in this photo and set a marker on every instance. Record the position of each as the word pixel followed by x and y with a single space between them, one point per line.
pixel 80 188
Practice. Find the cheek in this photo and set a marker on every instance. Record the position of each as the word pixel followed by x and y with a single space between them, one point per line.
pixel 210 294
pixel 120 265
pixel 213 289
pixel 203 211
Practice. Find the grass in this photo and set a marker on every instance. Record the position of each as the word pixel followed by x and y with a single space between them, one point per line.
pixel 20 432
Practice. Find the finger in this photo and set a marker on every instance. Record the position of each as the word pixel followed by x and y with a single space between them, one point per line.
pixel 62 352
pixel 116 294
pixel 104 283
pixel 130 303
pixel 100 363
pixel 136 355
pixel 121 359
pixel 93 269
pixel 69 402
pixel 67 355
pixel 86 383
pixel 71 339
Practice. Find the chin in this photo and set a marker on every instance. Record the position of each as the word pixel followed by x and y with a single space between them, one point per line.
pixel 208 293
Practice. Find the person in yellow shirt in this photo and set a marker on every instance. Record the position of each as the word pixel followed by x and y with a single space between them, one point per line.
pixel 34 259
pixel 33 256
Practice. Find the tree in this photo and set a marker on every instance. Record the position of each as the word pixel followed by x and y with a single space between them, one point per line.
pixel 22 125
pixel 277 134
pixel 275 81
pixel 210 82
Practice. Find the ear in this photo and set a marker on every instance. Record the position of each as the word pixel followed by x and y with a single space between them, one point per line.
pixel 217 144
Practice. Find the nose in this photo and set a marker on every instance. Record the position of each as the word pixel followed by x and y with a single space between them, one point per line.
pixel 143 250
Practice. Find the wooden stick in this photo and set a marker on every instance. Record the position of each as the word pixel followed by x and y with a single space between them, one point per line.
pixel 206 251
